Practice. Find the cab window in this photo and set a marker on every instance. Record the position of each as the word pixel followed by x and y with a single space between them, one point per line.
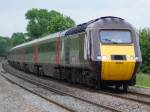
pixel 115 36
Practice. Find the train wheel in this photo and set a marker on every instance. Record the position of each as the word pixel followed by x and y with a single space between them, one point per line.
pixel 36 70
pixel 41 72
pixel 125 87
pixel 68 75
pixel 117 87
pixel 98 86
pixel 61 73
pixel 73 76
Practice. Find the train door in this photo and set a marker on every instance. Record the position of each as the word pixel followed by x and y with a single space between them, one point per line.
pixel 58 45
pixel 87 46
pixel 67 51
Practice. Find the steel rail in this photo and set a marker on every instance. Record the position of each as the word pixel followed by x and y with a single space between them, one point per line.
pixel 126 96
pixel 35 93
pixel 61 92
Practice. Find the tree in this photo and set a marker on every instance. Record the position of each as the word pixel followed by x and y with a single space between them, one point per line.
pixel 2 48
pixel 43 22
pixel 17 38
pixel 58 22
pixel 145 49
pixel 6 43
pixel 3 45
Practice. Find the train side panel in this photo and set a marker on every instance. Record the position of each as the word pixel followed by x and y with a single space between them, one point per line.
pixel 72 51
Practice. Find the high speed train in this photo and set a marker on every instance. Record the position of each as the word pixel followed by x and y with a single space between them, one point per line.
pixel 98 53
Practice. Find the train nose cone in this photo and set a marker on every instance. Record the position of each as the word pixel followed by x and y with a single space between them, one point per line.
pixel 117 70
pixel 118 65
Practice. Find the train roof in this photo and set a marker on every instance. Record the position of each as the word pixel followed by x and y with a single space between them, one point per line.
pixel 77 29
pixel 51 36
pixel 82 27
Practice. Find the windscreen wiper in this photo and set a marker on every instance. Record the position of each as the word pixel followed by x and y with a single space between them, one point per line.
pixel 108 40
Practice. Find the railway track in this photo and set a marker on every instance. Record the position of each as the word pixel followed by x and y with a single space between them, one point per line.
pixel 139 94
pixel 132 96
pixel 47 99
pixel 45 86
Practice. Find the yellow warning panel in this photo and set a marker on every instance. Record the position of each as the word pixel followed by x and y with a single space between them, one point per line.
pixel 117 69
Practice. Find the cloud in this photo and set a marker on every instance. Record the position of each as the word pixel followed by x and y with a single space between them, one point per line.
pixel 136 12
pixel 13 20
pixel 144 3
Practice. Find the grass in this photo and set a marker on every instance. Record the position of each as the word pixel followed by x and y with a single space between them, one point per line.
pixel 143 80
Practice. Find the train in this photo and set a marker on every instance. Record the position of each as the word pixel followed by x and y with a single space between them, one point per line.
pixel 99 53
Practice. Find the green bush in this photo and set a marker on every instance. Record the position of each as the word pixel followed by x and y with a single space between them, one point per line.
pixel 145 49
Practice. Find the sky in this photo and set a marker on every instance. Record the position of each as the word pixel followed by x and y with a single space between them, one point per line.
pixel 12 12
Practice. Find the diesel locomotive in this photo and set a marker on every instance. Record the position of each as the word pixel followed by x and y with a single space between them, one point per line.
pixel 98 53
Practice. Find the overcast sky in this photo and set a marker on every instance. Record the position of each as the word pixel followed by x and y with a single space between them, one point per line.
pixel 12 12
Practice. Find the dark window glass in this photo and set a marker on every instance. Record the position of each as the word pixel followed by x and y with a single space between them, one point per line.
pixel 115 36
pixel 47 47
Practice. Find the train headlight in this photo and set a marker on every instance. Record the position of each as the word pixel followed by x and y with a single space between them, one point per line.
pixel 104 57
pixel 132 57
pixel 136 58
pixel 99 57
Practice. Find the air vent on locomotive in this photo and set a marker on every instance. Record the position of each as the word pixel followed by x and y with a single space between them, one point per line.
pixel 118 57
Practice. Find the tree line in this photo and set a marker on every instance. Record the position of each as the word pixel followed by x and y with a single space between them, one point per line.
pixel 145 49
pixel 42 22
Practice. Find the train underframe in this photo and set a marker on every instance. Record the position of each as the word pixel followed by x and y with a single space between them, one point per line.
pixel 75 75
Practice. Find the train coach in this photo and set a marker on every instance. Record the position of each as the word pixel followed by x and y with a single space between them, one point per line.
pixel 101 52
